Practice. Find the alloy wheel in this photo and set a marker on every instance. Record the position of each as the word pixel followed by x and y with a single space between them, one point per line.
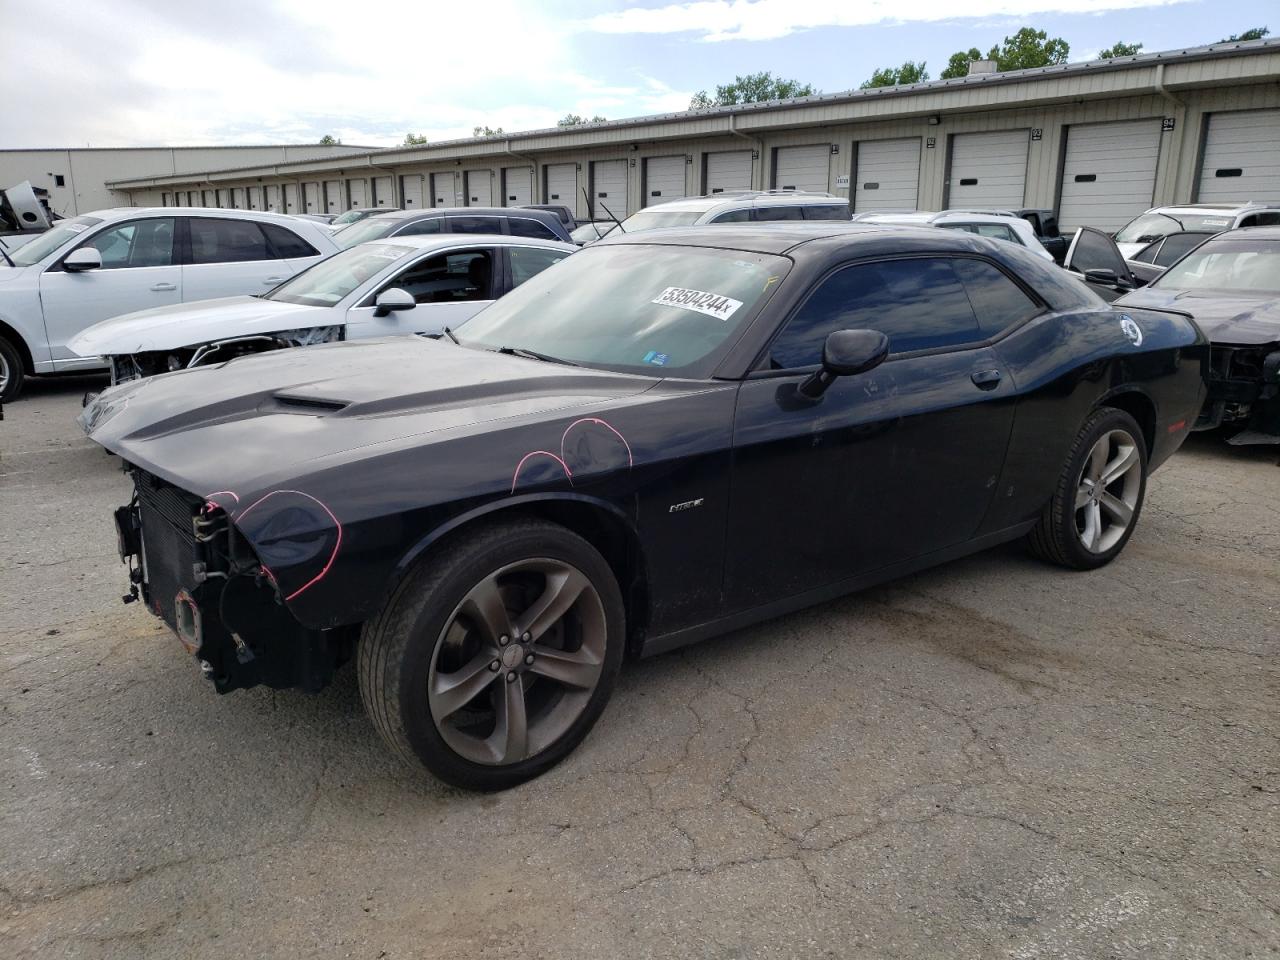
pixel 1107 491
pixel 4 373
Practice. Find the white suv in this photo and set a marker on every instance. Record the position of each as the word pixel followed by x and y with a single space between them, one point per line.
pixel 1159 222
pixel 110 262
pixel 998 226
pixel 747 206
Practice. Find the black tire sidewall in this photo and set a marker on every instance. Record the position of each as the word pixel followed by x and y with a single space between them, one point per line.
pixel 468 568
pixel 17 373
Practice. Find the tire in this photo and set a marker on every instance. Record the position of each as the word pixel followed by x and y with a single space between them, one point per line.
pixel 12 372
pixel 427 659
pixel 1084 525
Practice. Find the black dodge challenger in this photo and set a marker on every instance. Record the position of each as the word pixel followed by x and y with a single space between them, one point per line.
pixel 657 440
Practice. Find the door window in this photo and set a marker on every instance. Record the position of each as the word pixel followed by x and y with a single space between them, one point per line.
pixel 286 244
pixel 826 211
pixel 446 278
pixel 998 302
pixel 431 225
pixel 475 225
pixel 997 231
pixel 734 216
pixel 1094 250
pixel 142 243
pixel 226 241
pixel 918 303
pixel 528 262
pixel 520 227
pixel 778 213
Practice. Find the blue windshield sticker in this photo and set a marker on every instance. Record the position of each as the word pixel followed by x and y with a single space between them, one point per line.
pixel 657 359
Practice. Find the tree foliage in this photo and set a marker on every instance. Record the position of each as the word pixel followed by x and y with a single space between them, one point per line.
pixel 1253 33
pixel 958 65
pixel 486 131
pixel 909 72
pixel 572 120
pixel 1120 49
pixel 413 140
pixel 752 88
pixel 1024 50
pixel 329 140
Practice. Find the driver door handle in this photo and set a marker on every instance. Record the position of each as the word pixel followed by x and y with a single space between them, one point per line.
pixel 162 287
pixel 985 379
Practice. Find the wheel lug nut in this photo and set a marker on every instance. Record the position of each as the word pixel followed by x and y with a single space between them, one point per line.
pixel 494 666
pixel 511 678
pixel 503 641
pixel 527 637
pixel 528 658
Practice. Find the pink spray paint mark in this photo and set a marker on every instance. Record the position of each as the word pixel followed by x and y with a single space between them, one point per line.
pixel 604 423
pixel 337 544
pixel 539 453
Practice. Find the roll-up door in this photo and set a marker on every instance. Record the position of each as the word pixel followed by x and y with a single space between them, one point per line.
pixel 1241 157
pixel 802 168
pixel 479 188
pixel 442 190
pixel 411 191
pixel 728 171
pixel 164 200
pixel 888 175
pixel 273 197
pixel 311 196
pixel 517 186
pixel 989 169
pixel 208 198
pixel 333 196
pixel 356 194
pixel 1108 173
pixel 224 198
pixel 290 198
pixel 609 187
pixel 663 180
pixel 382 192
pixel 255 198
pixel 561 184
pixel 237 198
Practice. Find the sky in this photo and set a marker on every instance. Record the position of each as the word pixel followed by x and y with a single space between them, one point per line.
pixel 159 72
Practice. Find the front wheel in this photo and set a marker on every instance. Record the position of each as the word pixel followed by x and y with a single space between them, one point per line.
pixel 1098 496
pixel 496 655
pixel 11 371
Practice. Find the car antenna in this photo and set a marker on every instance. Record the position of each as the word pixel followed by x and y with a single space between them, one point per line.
pixel 587 198
pixel 4 251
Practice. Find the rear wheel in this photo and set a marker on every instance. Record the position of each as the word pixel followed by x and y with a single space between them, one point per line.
pixel 11 371
pixel 496 655
pixel 1099 494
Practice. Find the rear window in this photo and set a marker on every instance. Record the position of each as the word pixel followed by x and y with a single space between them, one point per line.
pixel 520 227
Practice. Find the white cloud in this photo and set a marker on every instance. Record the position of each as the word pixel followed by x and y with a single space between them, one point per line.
pixel 718 20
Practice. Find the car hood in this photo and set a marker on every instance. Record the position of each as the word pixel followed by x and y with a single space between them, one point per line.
pixel 192 324
pixel 1225 317
pixel 9 274
pixel 258 422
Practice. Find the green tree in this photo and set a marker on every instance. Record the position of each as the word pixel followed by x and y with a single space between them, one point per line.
pixel 329 140
pixel 572 120
pixel 1253 33
pixel 958 65
pixel 486 132
pixel 413 140
pixel 909 72
pixel 1120 49
pixel 752 88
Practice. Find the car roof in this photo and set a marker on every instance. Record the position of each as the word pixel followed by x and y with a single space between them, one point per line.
pixel 945 216
pixel 778 237
pixel 121 213
pixel 432 241
pixel 527 212
pixel 1247 233
pixel 747 198
pixel 1224 207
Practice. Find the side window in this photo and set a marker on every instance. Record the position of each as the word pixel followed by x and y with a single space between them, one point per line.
pixel 1269 219
pixel 767 214
pixel 226 241
pixel 826 211
pixel 520 227
pixel 966 227
pixel 1176 245
pixel 997 301
pixel 734 216
pixel 528 262
pixel 142 243
pixel 1095 250
pixel 286 243
pixel 918 303
pixel 475 225
pixel 430 225
pixel 997 231
pixel 446 278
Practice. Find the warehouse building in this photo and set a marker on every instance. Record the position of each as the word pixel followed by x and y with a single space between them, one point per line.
pixel 1099 142
pixel 77 178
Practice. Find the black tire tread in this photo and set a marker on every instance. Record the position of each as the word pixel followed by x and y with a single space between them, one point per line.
pixel 17 370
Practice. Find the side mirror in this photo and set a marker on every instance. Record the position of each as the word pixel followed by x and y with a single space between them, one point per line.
pixel 393 299
pixel 81 259
pixel 845 354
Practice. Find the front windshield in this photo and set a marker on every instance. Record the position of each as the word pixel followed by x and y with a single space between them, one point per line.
pixel 656 217
pixel 329 281
pixel 351 216
pixel 36 250
pixel 370 228
pixel 632 307
pixel 592 231
pixel 1245 266
pixel 1152 226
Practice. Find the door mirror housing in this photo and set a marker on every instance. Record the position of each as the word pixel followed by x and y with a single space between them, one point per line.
pixel 393 299
pixel 81 259
pixel 846 353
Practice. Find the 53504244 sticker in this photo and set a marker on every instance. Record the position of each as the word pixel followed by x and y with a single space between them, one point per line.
pixel 711 304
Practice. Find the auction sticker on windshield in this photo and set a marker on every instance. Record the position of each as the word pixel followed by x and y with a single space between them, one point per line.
pixel 711 304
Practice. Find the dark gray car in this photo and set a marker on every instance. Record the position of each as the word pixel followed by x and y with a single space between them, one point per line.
pixel 507 221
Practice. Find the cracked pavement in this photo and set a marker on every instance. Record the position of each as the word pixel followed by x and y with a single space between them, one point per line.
pixel 990 759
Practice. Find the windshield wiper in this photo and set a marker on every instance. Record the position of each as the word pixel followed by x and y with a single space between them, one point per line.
pixel 450 334
pixel 1174 219
pixel 534 355
pixel 4 251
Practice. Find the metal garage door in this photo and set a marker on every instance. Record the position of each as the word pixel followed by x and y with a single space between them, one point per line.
pixel 333 196
pixel 237 198
pixel 989 169
pixel 356 194
pixel 479 188
pixel 888 176
pixel 208 198
pixel 442 190
pixel 663 180
pixel 224 198
pixel 1109 173
pixel 561 184
pixel 411 191
pixel 273 197
pixel 255 198
pixel 1241 157
pixel 517 186
pixel 290 198
pixel 802 168
pixel 729 171
pixel 382 192
pixel 609 185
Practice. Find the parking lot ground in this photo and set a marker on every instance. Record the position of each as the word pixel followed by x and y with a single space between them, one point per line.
pixel 991 759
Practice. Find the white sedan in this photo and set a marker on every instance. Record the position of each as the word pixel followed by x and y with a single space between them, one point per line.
pixel 111 262
pixel 1011 229
pixel 400 285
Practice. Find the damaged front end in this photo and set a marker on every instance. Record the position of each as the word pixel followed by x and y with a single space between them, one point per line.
pixel 196 571
pixel 1244 393
pixel 138 366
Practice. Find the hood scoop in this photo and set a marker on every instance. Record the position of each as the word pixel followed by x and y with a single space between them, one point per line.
pixel 289 403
